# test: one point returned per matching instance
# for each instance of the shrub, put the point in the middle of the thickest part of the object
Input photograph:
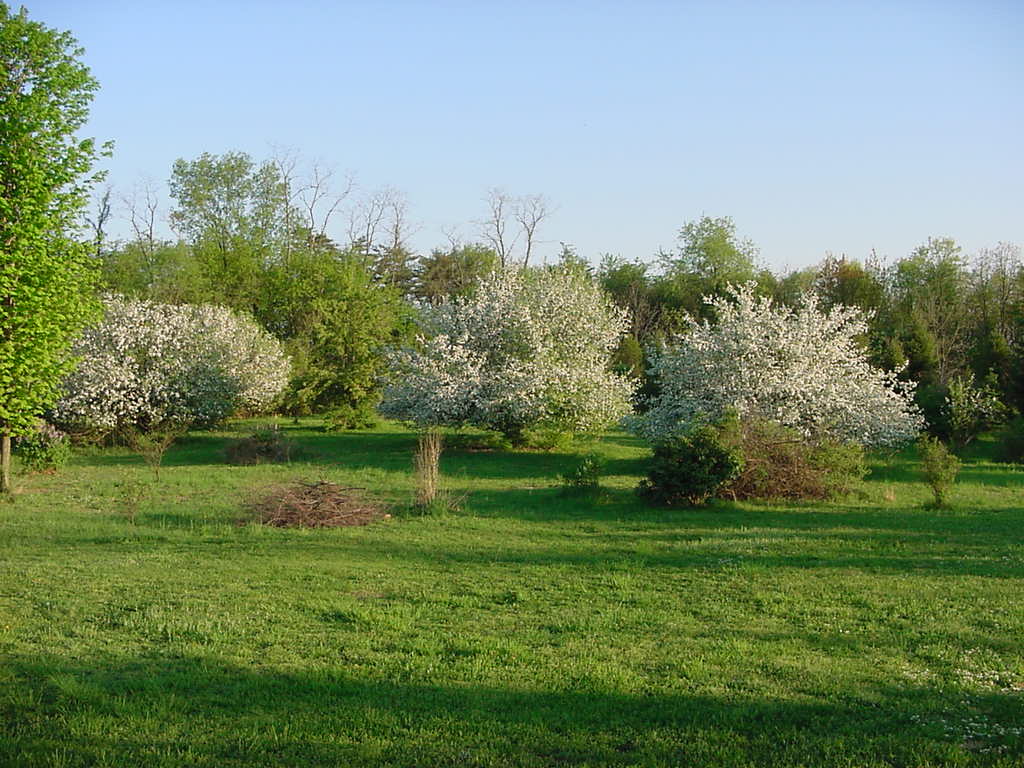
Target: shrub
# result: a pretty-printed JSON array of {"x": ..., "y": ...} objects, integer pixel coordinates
[
  {"x": 528, "y": 349},
  {"x": 779, "y": 463},
  {"x": 688, "y": 469},
  {"x": 266, "y": 445},
  {"x": 940, "y": 467},
  {"x": 800, "y": 367},
  {"x": 972, "y": 409},
  {"x": 585, "y": 476},
  {"x": 932, "y": 399},
  {"x": 153, "y": 444},
  {"x": 361, "y": 415},
  {"x": 45, "y": 449},
  {"x": 149, "y": 364},
  {"x": 547, "y": 439},
  {"x": 1011, "y": 441}
]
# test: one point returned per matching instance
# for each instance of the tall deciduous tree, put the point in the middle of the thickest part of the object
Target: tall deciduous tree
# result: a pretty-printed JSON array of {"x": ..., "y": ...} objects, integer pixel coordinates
[
  {"x": 710, "y": 257},
  {"x": 45, "y": 179},
  {"x": 232, "y": 212}
]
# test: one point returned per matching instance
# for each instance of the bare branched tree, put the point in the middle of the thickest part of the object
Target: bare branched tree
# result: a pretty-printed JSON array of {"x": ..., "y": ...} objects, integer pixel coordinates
[
  {"x": 142, "y": 205},
  {"x": 997, "y": 287},
  {"x": 529, "y": 211},
  {"x": 368, "y": 216},
  {"x": 323, "y": 195},
  {"x": 399, "y": 227},
  {"x": 312, "y": 196},
  {"x": 510, "y": 220},
  {"x": 453, "y": 236},
  {"x": 98, "y": 221},
  {"x": 494, "y": 228}
]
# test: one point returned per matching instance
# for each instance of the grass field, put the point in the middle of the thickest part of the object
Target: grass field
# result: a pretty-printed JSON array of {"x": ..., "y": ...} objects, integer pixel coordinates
[{"x": 530, "y": 628}]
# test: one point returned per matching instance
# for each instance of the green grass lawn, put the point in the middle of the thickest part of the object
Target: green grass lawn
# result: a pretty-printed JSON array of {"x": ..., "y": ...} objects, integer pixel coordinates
[{"x": 529, "y": 628}]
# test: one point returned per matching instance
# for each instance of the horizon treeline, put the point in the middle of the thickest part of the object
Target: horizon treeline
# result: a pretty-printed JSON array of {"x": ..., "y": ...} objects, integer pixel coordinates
[{"x": 253, "y": 236}]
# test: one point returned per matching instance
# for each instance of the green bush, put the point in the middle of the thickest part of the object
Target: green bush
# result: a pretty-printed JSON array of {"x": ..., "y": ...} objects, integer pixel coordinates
[
  {"x": 546, "y": 439},
  {"x": 361, "y": 415},
  {"x": 628, "y": 358},
  {"x": 940, "y": 467},
  {"x": 267, "y": 444},
  {"x": 841, "y": 466},
  {"x": 585, "y": 476},
  {"x": 1011, "y": 441},
  {"x": 479, "y": 443},
  {"x": 689, "y": 469},
  {"x": 46, "y": 449},
  {"x": 931, "y": 399},
  {"x": 971, "y": 409}
]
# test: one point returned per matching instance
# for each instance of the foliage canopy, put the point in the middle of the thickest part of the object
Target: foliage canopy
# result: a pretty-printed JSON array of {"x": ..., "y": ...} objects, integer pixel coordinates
[{"x": 45, "y": 276}]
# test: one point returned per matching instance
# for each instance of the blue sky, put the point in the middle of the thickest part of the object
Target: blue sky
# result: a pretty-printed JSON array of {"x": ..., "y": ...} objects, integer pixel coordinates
[{"x": 817, "y": 127}]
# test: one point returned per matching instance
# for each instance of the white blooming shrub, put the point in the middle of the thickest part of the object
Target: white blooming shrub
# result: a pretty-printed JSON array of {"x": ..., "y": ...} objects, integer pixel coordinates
[
  {"x": 801, "y": 368},
  {"x": 146, "y": 364},
  {"x": 527, "y": 349}
]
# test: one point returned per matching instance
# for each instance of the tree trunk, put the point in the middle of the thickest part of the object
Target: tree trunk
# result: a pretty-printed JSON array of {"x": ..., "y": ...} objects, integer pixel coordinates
[{"x": 5, "y": 464}]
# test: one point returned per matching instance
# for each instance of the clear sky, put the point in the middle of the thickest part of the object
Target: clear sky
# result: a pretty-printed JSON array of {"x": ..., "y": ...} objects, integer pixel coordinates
[{"x": 816, "y": 126}]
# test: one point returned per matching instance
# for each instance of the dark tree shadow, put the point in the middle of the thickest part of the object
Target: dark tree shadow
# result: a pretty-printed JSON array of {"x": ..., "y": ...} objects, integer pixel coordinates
[{"x": 206, "y": 712}]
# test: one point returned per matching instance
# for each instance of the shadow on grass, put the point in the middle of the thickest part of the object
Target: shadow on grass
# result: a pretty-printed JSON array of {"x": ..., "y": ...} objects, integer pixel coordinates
[
  {"x": 614, "y": 533},
  {"x": 205, "y": 712},
  {"x": 991, "y": 476},
  {"x": 355, "y": 450}
]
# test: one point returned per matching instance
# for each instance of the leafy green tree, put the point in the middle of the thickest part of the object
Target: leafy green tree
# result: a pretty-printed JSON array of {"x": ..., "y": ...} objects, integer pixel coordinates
[
  {"x": 788, "y": 289},
  {"x": 709, "y": 258},
  {"x": 634, "y": 289},
  {"x": 394, "y": 265},
  {"x": 920, "y": 347},
  {"x": 443, "y": 274},
  {"x": 991, "y": 357},
  {"x": 45, "y": 276},
  {"x": 164, "y": 272},
  {"x": 930, "y": 290},
  {"x": 232, "y": 213},
  {"x": 850, "y": 283},
  {"x": 335, "y": 321},
  {"x": 1015, "y": 385}
]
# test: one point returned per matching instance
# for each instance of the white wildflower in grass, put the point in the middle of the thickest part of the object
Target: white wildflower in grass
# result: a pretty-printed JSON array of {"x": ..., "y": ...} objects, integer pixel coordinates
[
  {"x": 528, "y": 348},
  {"x": 147, "y": 364},
  {"x": 801, "y": 367}
]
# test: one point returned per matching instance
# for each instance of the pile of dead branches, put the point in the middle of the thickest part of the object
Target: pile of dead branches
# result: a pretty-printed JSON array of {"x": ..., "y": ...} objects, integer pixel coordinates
[{"x": 315, "y": 505}]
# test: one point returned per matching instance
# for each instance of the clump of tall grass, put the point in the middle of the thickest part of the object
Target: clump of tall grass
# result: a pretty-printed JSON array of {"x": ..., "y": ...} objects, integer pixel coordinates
[{"x": 430, "y": 497}]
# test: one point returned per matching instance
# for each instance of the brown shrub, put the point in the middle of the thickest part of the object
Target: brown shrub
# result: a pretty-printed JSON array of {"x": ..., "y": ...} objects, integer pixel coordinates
[
  {"x": 266, "y": 445},
  {"x": 778, "y": 463},
  {"x": 315, "y": 505}
]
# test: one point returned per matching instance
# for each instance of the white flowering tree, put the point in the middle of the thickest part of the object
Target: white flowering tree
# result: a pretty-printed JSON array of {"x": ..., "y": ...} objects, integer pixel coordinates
[
  {"x": 800, "y": 367},
  {"x": 528, "y": 348},
  {"x": 148, "y": 364}
]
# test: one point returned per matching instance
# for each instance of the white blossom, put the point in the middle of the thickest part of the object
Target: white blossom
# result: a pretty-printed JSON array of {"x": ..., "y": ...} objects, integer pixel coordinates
[
  {"x": 148, "y": 363},
  {"x": 527, "y": 348},
  {"x": 799, "y": 367}
]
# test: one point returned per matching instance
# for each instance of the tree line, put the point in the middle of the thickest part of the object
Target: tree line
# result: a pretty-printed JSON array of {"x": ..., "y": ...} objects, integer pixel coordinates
[{"x": 253, "y": 236}]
